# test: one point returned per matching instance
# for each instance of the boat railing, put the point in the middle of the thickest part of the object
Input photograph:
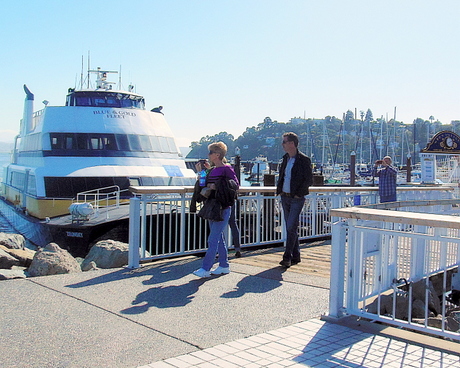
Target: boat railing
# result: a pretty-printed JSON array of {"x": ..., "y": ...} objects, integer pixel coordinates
[
  {"x": 396, "y": 263},
  {"x": 161, "y": 224},
  {"x": 38, "y": 113},
  {"x": 101, "y": 198}
]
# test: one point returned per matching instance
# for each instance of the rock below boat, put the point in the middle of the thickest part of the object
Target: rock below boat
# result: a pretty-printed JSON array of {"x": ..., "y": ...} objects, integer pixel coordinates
[
  {"x": 107, "y": 254},
  {"x": 16, "y": 261},
  {"x": 53, "y": 260}
]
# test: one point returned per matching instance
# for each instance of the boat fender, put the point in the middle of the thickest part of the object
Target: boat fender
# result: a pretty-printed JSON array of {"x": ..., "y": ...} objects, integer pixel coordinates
[{"x": 81, "y": 209}]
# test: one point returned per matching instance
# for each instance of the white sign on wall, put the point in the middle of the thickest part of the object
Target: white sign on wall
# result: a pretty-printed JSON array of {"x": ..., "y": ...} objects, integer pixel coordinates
[{"x": 428, "y": 168}]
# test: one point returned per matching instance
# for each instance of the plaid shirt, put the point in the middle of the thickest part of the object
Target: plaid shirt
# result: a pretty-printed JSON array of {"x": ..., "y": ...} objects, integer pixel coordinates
[{"x": 387, "y": 180}]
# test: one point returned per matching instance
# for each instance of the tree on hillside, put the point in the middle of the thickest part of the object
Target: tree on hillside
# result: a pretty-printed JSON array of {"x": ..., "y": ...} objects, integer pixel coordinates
[
  {"x": 349, "y": 116},
  {"x": 330, "y": 138},
  {"x": 200, "y": 149},
  {"x": 369, "y": 117}
]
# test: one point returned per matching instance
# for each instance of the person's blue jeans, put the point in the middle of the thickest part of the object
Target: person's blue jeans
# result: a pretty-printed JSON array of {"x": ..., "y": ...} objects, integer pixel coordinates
[
  {"x": 216, "y": 242},
  {"x": 388, "y": 198},
  {"x": 291, "y": 209},
  {"x": 236, "y": 235}
]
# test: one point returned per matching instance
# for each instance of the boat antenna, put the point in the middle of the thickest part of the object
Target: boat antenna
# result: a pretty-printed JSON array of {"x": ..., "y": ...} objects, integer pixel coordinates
[
  {"x": 81, "y": 74},
  {"x": 88, "y": 69},
  {"x": 119, "y": 79}
]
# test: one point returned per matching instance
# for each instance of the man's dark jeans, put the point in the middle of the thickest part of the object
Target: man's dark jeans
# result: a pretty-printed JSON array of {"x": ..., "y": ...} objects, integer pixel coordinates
[{"x": 292, "y": 208}]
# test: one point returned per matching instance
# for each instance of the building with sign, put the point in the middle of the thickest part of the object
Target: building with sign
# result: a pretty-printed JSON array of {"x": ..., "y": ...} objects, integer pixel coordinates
[{"x": 440, "y": 159}]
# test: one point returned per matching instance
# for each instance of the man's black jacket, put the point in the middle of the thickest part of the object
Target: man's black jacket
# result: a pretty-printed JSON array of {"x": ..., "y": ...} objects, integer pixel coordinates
[{"x": 301, "y": 175}]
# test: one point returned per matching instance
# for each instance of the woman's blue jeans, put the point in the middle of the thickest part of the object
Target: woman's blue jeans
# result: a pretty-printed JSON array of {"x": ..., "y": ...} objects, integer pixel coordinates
[
  {"x": 291, "y": 209},
  {"x": 216, "y": 242}
]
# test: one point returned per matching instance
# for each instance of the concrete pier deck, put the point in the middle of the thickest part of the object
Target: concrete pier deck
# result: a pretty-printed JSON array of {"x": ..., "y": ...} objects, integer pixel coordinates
[{"x": 161, "y": 315}]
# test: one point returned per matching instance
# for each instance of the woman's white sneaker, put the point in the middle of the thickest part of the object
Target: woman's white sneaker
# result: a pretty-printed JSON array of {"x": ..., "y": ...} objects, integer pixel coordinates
[
  {"x": 221, "y": 271},
  {"x": 202, "y": 273}
]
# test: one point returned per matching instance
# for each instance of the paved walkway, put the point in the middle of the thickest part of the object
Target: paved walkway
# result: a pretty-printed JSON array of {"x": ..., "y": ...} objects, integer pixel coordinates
[
  {"x": 314, "y": 343},
  {"x": 160, "y": 315}
]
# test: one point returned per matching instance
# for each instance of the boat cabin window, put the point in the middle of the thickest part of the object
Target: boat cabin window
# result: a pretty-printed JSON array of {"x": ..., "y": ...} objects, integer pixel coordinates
[
  {"x": 66, "y": 187},
  {"x": 64, "y": 141},
  {"x": 155, "y": 143},
  {"x": 134, "y": 142},
  {"x": 83, "y": 101},
  {"x": 105, "y": 99},
  {"x": 164, "y": 146},
  {"x": 75, "y": 144},
  {"x": 145, "y": 143},
  {"x": 122, "y": 142},
  {"x": 18, "y": 180}
]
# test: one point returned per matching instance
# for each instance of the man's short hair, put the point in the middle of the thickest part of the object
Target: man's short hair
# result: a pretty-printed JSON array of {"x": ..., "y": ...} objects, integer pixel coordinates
[{"x": 292, "y": 137}]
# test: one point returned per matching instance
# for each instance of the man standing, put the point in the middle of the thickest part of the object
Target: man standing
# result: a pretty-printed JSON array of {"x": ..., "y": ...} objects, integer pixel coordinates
[
  {"x": 295, "y": 177},
  {"x": 387, "y": 179}
]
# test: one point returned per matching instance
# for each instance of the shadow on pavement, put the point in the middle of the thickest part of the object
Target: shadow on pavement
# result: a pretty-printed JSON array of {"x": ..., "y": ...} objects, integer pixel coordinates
[
  {"x": 252, "y": 284},
  {"x": 165, "y": 297},
  {"x": 159, "y": 272}
]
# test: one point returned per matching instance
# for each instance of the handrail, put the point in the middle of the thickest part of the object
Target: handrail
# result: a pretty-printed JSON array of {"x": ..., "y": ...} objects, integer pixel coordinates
[
  {"x": 103, "y": 197},
  {"x": 379, "y": 212},
  {"x": 271, "y": 189}
]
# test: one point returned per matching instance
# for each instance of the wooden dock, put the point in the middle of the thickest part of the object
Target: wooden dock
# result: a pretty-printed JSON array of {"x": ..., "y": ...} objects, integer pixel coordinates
[{"x": 316, "y": 258}]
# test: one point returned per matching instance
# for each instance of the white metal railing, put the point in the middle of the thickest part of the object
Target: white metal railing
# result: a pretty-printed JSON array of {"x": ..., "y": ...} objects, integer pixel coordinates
[
  {"x": 387, "y": 260},
  {"x": 162, "y": 226},
  {"x": 100, "y": 198}
]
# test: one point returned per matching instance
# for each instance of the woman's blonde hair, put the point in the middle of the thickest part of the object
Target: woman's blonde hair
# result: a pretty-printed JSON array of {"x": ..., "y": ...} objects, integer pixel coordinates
[{"x": 218, "y": 147}]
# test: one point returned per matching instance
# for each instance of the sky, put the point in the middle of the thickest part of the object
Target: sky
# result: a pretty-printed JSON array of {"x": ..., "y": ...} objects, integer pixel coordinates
[{"x": 225, "y": 65}]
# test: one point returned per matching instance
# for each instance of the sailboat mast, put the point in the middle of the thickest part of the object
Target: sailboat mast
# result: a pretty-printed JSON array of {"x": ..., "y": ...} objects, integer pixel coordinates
[
  {"x": 324, "y": 143},
  {"x": 393, "y": 142},
  {"x": 343, "y": 147}
]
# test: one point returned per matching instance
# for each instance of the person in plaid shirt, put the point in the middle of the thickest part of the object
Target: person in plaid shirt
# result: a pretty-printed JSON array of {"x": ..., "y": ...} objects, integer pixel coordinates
[{"x": 387, "y": 179}]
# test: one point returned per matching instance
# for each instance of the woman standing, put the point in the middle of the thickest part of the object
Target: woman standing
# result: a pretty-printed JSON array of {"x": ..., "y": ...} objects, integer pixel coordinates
[{"x": 216, "y": 242}]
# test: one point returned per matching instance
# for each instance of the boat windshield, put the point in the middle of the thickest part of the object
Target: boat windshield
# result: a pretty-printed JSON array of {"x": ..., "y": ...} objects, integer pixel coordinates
[{"x": 105, "y": 99}]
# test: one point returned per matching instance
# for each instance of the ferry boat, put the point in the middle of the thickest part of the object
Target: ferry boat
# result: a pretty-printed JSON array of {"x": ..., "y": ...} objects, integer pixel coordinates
[{"x": 102, "y": 141}]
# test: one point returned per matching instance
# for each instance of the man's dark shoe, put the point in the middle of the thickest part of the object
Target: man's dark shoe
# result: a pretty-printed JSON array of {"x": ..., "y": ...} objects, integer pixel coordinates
[
  {"x": 286, "y": 264},
  {"x": 237, "y": 254},
  {"x": 294, "y": 262}
]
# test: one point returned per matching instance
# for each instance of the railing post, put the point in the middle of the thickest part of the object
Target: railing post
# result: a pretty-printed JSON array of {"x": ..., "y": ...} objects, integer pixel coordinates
[
  {"x": 259, "y": 201},
  {"x": 134, "y": 232},
  {"x": 182, "y": 223},
  {"x": 314, "y": 213},
  {"x": 337, "y": 280},
  {"x": 353, "y": 262},
  {"x": 336, "y": 202}
]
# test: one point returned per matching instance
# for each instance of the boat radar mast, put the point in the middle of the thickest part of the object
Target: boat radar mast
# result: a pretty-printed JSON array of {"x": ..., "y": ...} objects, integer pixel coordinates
[{"x": 101, "y": 80}]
